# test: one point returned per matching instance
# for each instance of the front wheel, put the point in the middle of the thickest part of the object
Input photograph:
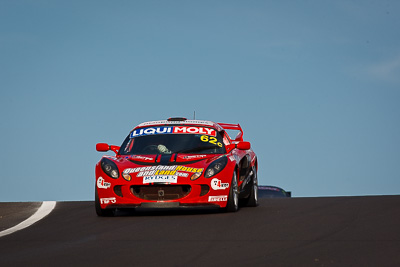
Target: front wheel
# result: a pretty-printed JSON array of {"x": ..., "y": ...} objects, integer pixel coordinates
[
  {"x": 233, "y": 199},
  {"x": 99, "y": 211}
]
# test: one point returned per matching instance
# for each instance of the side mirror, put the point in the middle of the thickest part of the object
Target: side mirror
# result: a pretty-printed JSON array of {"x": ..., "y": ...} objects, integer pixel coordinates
[
  {"x": 243, "y": 145},
  {"x": 240, "y": 145},
  {"x": 104, "y": 147}
]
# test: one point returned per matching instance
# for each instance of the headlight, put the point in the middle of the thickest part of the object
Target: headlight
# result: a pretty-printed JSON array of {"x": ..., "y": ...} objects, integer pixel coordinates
[
  {"x": 215, "y": 167},
  {"x": 110, "y": 168}
]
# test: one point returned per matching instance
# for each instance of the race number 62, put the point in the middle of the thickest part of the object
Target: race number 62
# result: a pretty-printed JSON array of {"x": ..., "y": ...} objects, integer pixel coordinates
[{"x": 210, "y": 139}]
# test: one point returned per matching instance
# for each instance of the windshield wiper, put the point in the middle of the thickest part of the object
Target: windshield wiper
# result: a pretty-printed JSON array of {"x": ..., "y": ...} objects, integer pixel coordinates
[{"x": 194, "y": 149}]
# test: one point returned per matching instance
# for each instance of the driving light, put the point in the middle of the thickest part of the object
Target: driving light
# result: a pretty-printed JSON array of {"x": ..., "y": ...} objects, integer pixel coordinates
[
  {"x": 215, "y": 167},
  {"x": 126, "y": 176},
  {"x": 195, "y": 176},
  {"x": 110, "y": 168}
]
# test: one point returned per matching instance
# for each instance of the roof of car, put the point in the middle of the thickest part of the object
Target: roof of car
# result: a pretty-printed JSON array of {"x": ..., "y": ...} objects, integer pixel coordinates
[{"x": 179, "y": 122}]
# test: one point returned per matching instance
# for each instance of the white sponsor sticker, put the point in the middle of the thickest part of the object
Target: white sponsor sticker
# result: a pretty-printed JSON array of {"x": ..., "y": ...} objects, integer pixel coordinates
[
  {"x": 182, "y": 174},
  {"x": 102, "y": 184},
  {"x": 151, "y": 131},
  {"x": 216, "y": 184},
  {"x": 175, "y": 122},
  {"x": 108, "y": 200},
  {"x": 141, "y": 157},
  {"x": 217, "y": 198},
  {"x": 195, "y": 157},
  {"x": 194, "y": 130},
  {"x": 160, "y": 179}
]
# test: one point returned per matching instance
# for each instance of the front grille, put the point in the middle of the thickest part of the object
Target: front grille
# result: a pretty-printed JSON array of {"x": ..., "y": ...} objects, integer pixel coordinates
[{"x": 160, "y": 192}]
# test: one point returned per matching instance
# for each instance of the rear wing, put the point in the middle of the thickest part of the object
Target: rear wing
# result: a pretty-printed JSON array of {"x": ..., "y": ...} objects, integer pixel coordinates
[{"x": 230, "y": 126}]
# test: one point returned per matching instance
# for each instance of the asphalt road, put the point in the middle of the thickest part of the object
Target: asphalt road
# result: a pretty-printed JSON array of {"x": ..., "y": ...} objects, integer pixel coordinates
[
  {"x": 12, "y": 213},
  {"x": 337, "y": 231}
]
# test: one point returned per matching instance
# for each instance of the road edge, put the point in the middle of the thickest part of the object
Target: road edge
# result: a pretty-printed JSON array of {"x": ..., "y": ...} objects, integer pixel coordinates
[{"x": 45, "y": 209}]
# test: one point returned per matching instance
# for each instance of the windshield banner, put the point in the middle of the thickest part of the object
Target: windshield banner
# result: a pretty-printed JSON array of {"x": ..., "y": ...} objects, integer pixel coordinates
[{"x": 173, "y": 130}]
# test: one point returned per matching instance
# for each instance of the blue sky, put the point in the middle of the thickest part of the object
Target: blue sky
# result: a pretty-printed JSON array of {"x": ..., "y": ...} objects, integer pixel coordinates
[{"x": 314, "y": 84}]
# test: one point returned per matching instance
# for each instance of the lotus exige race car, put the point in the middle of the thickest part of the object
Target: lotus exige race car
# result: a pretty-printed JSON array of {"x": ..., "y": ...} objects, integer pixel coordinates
[{"x": 177, "y": 163}]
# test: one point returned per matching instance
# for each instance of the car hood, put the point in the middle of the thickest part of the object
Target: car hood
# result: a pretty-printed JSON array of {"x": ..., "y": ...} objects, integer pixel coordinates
[{"x": 180, "y": 165}]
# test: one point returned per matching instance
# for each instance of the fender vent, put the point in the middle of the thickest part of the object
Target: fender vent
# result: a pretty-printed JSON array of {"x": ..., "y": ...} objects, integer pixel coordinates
[
  {"x": 118, "y": 191},
  {"x": 204, "y": 189}
]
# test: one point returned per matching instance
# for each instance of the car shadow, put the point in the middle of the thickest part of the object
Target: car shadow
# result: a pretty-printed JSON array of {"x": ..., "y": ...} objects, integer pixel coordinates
[{"x": 166, "y": 212}]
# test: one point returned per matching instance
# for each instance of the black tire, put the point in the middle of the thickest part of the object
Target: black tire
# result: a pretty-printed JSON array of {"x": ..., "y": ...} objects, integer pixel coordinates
[
  {"x": 252, "y": 200},
  {"x": 99, "y": 211},
  {"x": 233, "y": 199}
]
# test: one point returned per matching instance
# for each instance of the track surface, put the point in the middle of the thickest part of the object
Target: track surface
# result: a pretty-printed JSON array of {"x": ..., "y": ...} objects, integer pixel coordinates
[
  {"x": 338, "y": 231},
  {"x": 12, "y": 213}
]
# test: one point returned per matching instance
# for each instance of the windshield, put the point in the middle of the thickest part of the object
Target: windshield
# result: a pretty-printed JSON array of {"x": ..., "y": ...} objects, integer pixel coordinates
[{"x": 173, "y": 139}]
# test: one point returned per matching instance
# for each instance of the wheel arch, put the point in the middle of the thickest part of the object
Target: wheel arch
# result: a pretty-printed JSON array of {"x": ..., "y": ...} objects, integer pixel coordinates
[{"x": 244, "y": 167}]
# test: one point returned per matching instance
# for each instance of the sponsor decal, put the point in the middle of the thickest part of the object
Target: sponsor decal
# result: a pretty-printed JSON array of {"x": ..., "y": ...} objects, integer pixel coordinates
[
  {"x": 102, "y": 184},
  {"x": 216, "y": 184},
  {"x": 160, "y": 179},
  {"x": 108, "y": 200},
  {"x": 174, "y": 130},
  {"x": 151, "y": 131},
  {"x": 194, "y": 157},
  {"x": 194, "y": 130},
  {"x": 176, "y": 122},
  {"x": 141, "y": 158},
  {"x": 161, "y": 170},
  {"x": 188, "y": 169},
  {"x": 217, "y": 198},
  {"x": 182, "y": 174}
]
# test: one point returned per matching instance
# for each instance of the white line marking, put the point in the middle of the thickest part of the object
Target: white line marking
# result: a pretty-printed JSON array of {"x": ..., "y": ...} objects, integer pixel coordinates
[{"x": 43, "y": 211}]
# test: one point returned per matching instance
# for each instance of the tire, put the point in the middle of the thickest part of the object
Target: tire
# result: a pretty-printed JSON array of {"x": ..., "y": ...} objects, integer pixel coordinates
[
  {"x": 233, "y": 199},
  {"x": 102, "y": 212},
  {"x": 252, "y": 200}
]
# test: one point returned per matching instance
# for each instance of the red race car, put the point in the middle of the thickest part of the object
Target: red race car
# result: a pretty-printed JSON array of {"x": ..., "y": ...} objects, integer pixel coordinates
[{"x": 177, "y": 163}]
